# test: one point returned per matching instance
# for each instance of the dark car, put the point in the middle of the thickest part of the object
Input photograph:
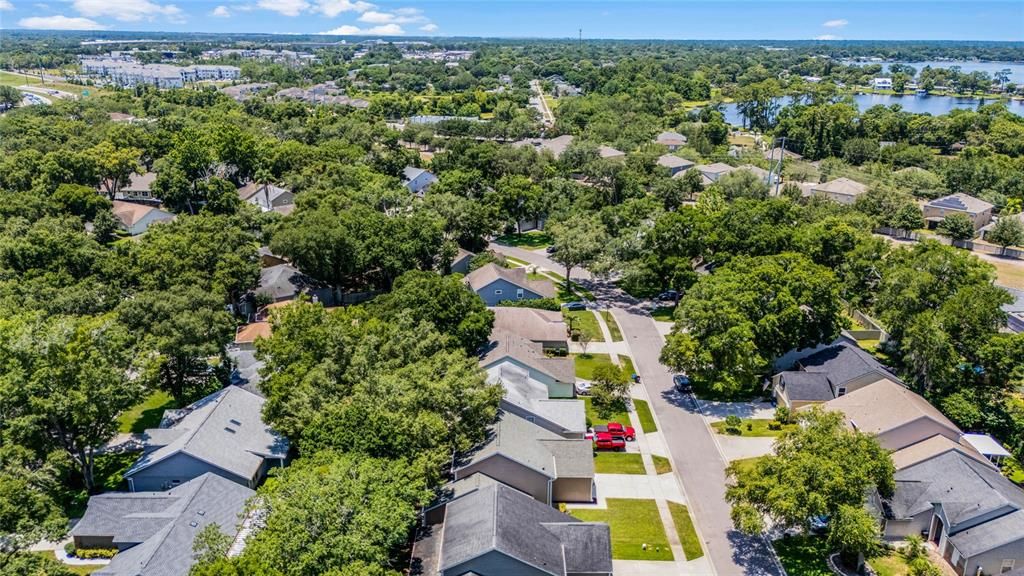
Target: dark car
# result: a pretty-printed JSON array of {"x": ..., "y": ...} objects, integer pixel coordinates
[
  {"x": 551, "y": 249},
  {"x": 669, "y": 295},
  {"x": 682, "y": 383},
  {"x": 573, "y": 306}
]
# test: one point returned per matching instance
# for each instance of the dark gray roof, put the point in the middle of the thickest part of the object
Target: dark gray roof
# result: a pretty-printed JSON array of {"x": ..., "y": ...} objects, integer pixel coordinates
[
  {"x": 540, "y": 449},
  {"x": 806, "y": 386},
  {"x": 225, "y": 430},
  {"x": 161, "y": 526},
  {"x": 285, "y": 281},
  {"x": 967, "y": 490},
  {"x": 842, "y": 362},
  {"x": 501, "y": 518}
]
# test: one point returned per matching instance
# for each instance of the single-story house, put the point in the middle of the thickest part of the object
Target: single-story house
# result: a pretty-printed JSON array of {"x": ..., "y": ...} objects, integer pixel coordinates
[
  {"x": 223, "y": 433},
  {"x": 154, "y": 531},
  {"x": 266, "y": 196},
  {"x": 268, "y": 258},
  {"x": 965, "y": 507},
  {"x": 979, "y": 211},
  {"x": 674, "y": 163},
  {"x": 765, "y": 176},
  {"x": 827, "y": 373},
  {"x": 137, "y": 218},
  {"x": 139, "y": 188},
  {"x": 556, "y": 373},
  {"x": 545, "y": 327},
  {"x": 671, "y": 140},
  {"x": 484, "y": 527},
  {"x": 534, "y": 460},
  {"x": 893, "y": 414},
  {"x": 609, "y": 153},
  {"x": 1014, "y": 311},
  {"x": 417, "y": 180},
  {"x": 495, "y": 284},
  {"x": 714, "y": 171},
  {"x": 461, "y": 262},
  {"x": 555, "y": 145},
  {"x": 285, "y": 282},
  {"x": 842, "y": 190}
]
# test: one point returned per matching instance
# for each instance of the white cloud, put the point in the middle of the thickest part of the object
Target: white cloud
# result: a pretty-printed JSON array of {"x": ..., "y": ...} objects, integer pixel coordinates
[
  {"x": 60, "y": 22},
  {"x": 377, "y": 17},
  {"x": 221, "y": 12},
  {"x": 285, "y": 7},
  {"x": 382, "y": 30},
  {"x": 332, "y": 8},
  {"x": 6, "y": 5},
  {"x": 837, "y": 23},
  {"x": 827, "y": 37},
  {"x": 429, "y": 27},
  {"x": 128, "y": 10},
  {"x": 400, "y": 16}
]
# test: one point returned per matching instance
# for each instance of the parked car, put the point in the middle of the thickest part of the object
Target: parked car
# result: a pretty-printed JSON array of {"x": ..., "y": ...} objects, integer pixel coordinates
[
  {"x": 605, "y": 441},
  {"x": 627, "y": 433},
  {"x": 681, "y": 382},
  {"x": 819, "y": 524},
  {"x": 669, "y": 295},
  {"x": 573, "y": 306},
  {"x": 551, "y": 249},
  {"x": 583, "y": 388}
]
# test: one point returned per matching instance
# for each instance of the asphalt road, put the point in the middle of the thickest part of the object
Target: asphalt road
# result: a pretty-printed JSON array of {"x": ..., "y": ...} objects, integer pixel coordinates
[
  {"x": 539, "y": 258},
  {"x": 697, "y": 460}
]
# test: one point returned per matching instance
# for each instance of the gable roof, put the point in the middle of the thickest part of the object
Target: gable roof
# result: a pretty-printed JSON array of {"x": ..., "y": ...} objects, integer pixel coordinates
[
  {"x": 673, "y": 161},
  {"x": 555, "y": 145},
  {"x": 537, "y": 448},
  {"x": 930, "y": 448},
  {"x": 530, "y": 323},
  {"x": 250, "y": 332},
  {"x": 715, "y": 168},
  {"x": 251, "y": 189},
  {"x": 508, "y": 345},
  {"x": 806, "y": 386},
  {"x": 225, "y": 430},
  {"x": 499, "y": 518},
  {"x": 530, "y": 395},
  {"x": 411, "y": 173},
  {"x": 670, "y": 138},
  {"x": 609, "y": 152},
  {"x": 842, "y": 362},
  {"x": 962, "y": 202},
  {"x": 885, "y": 406},
  {"x": 140, "y": 182},
  {"x": 129, "y": 213},
  {"x": 285, "y": 281},
  {"x": 489, "y": 273},
  {"x": 162, "y": 525},
  {"x": 841, "y": 186}
]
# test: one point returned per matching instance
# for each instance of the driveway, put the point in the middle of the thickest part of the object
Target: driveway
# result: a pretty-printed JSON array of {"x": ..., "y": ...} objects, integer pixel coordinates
[
  {"x": 539, "y": 258},
  {"x": 716, "y": 411},
  {"x": 699, "y": 463}
]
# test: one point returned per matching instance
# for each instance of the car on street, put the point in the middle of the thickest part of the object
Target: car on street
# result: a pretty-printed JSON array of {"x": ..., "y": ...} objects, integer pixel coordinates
[
  {"x": 551, "y": 249},
  {"x": 573, "y": 306},
  {"x": 681, "y": 382},
  {"x": 605, "y": 441},
  {"x": 583, "y": 388},
  {"x": 627, "y": 433},
  {"x": 669, "y": 295}
]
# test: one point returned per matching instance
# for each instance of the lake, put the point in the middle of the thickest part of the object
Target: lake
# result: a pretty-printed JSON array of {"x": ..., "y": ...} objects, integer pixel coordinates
[
  {"x": 934, "y": 105},
  {"x": 1016, "y": 68}
]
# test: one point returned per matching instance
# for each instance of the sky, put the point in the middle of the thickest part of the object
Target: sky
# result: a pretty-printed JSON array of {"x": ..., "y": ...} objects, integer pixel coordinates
[{"x": 626, "y": 19}]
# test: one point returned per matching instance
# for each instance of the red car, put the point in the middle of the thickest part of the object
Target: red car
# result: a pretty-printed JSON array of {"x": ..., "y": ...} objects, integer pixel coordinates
[
  {"x": 616, "y": 429},
  {"x": 605, "y": 441}
]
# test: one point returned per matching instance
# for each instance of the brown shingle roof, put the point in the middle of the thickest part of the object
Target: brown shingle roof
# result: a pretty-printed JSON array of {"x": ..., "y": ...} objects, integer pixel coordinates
[
  {"x": 530, "y": 323},
  {"x": 129, "y": 213},
  {"x": 886, "y": 405},
  {"x": 509, "y": 345}
]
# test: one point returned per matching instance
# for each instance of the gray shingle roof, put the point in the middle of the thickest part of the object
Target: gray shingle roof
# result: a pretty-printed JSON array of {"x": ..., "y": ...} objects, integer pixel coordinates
[
  {"x": 673, "y": 161},
  {"x": 285, "y": 281},
  {"x": 806, "y": 386},
  {"x": 531, "y": 323},
  {"x": 225, "y": 430},
  {"x": 670, "y": 138},
  {"x": 509, "y": 345},
  {"x": 162, "y": 525},
  {"x": 842, "y": 362},
  {"x": 522, "y": 441},
  {"x": 485, "y": 275},
  {"x": 501, "y": 518},
  {"x": 532, "y": 396},
  {"x": 842, "y": 186},
  {"x": 961, "y": 202}
]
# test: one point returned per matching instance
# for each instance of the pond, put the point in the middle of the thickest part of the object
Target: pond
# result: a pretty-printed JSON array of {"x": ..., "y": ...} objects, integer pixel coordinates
[{"x": 1016, "y": 68}]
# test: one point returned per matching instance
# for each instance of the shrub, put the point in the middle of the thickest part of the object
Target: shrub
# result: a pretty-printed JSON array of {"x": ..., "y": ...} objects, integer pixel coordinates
[
  {"x": 95, "y": 553},
  {"x": 732, "y": 425},
  {"x": 539, "y": 303},
  {"x": 750, "y": 426},
  {"x": 783, "y": 415},
  {"x": 69, "y": 548},
  {"x": 923, "y": 567},
  {"x": 775, "y": 425}
]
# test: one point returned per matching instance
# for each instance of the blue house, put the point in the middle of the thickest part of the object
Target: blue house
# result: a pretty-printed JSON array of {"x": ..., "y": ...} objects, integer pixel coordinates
[
  {"x": 417, "y": 180},
  {"x": 495, "y": 284}
]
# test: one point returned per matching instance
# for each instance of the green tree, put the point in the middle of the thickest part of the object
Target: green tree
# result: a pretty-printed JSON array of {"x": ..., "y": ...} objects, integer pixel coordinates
[
  {"x": 211, "y": 544},
  {"x": 758, "y": 103},
  {"x": 742, "y": 184},
  {"x": 957, "y": 227},
  {"x": 578, "y": 241},
  {"x": 115, "y": 166},
  {"x": 81, "y": 201},
  {"x": 853, "y": 532},
  {"x": 28, "y": 510},
  {"x": 610, "y": 388},
  {"x": 9, "y": 97},
  {"x": 1007, "y": 232},
  {"x": 820, "y": 468},
  {"x": 908, "y": 217}
]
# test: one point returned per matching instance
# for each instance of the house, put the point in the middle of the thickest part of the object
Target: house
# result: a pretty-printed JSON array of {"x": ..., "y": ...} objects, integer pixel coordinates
[
  {"x": 268, "y": 258},
  {"x": 138, "y": 189},
  {"x": 496, "y": 284},
  {"x": 828, "y": 373},
  {"x": 1014, "y": 310},
  {"x": 533, "y": 460},
  {"x": 246, "y": 335},
  {"x": 675, "y": 164},
  {"x": 714, "y": 171},
  {"x": 417, "y": 180},
  {"x": 609, "y": 153},
  {"x": 762, "y": 174},
  {"x": 841, "y": 190},
  {"x": 881, "y": 83},
  {"x": 930, "y": 448},
  {"x": 285, "y": 282},
  {"x": 223, "y": 433},
  {"x": 545, "y": 327},
  {"x": 154, "y": 531},
  {"x": 266, "y": 196},
  {"x": 137, "y": 218},
  {"x": 556, "y": 145},
  {"x": 987, "y": 446},
  {"x": 557, "y": 374},
  {"x": 893, "y": 414},
  {"x": 774, "y": 154},
  {"x": 979, "y": 211},
  {"x": 671, "y": 140},
  {"x": 485, "y": 527},
  {"x": 965, "y": 507},
  {"x": 461, "y": 262}
]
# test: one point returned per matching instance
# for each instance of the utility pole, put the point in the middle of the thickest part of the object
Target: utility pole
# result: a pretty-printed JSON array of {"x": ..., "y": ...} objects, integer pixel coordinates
[{"x": 775, "y": 168}]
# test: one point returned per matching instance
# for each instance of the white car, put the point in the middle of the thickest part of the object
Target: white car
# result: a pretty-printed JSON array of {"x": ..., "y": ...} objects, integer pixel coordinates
[{"x": 583, "y": 388}]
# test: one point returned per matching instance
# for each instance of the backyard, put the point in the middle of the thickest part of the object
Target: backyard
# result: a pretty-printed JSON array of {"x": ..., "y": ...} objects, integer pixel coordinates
[
  {"x": 146, "y": 414},
  {"x": 533, "y": 240},
  {"x": 633, "y": 523}
]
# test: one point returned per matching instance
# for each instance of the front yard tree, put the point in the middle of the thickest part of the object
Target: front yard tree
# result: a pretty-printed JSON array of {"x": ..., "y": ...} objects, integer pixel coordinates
[
  {"x": 957, "y": 227},
  {"x": 578, "y": 241},
  {"x": 853, "y": 531},
  {"x": 1007, "y": 232},
  {"x": 115, "y": 166},
  {"x": 732, "y": 324},
  {"x": 820, "y": 468},
  {"x": 610, "y": 389}
]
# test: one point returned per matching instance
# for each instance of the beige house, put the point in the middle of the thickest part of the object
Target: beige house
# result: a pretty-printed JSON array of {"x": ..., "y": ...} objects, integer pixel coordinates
[
  {"x": 137, "y": 218},
  {"x": 979, "y": 211},
  {"x": 932, "y": 448},
  {"x": 545, "y": 327},
  {"x": 842, "y": 190}
]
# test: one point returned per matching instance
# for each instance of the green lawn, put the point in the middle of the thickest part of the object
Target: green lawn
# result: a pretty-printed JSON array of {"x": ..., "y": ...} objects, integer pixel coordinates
[
  {"x": 803, "y": 555},
  {"x": 663, "y": 313},
  {"x": 585, "y": 322},
  {"x": 687, "y": 533},
  {"x": 530, "y": 240},
  {"x": 759, "y": 427},
  {"x": 618, "y": 463},
  {"x": 633, "y": 523},
  {"x": 613, "y": 326},
  {"x": 146, "y": 414},
  {"x": 108, "y": 472},
  {"x": 745, "y": 464},
  {"x": 585, "y": 364},
  {"x": 620, "y": 415},
  {"x": 893, "y": 564},
  {"x": 643, "y": 411},
  {"x": 661, "y": 464},
  {"x": 516, "y": 261},
  {"x": 14, "y": 79},
  {"x": 1013, "y": 470}
]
